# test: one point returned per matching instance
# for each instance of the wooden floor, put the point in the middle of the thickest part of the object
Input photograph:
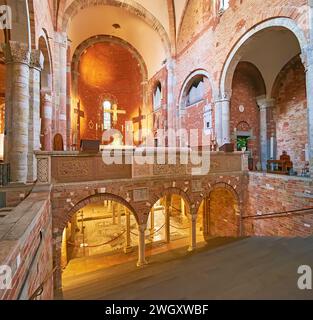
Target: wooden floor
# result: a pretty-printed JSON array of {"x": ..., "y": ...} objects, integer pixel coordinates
[{"x": 251, "y": 268}]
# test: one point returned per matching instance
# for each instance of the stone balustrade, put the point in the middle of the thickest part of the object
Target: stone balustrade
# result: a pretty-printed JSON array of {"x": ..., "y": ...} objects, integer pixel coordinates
[{"x": 69, "y": 167}]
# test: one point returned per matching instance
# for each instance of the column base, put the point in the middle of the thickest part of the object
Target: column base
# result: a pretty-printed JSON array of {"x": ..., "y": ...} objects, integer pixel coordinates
[
  {"x": 191, "y": 249},
  {"x": 128, "y": 250},
  {"x": 141, "y": 264}
]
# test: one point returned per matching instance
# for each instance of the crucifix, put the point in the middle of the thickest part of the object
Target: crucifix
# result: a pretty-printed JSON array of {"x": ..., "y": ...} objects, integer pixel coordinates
[
  {"x": 80, "y": 114},
  {"x": 139, "y": 121},
  {"x": 115, "y": 112}
]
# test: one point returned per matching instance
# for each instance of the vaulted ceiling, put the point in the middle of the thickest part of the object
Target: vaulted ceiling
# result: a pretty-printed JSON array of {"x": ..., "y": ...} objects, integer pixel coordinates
[{"x": 154, "y": 40}]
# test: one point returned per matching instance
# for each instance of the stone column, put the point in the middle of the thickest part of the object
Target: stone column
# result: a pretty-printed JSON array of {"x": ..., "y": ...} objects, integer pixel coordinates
[
  {"x": 218, "y": 122},
  {"x": 17, "y": 56},
  {"x": 307, "y": 59},
  {"x": 142, "y": 246},
  {"x": 128, "y": 247},
  {"x": 68, "y": 100},
  {"x": 119, "y": 215},
  {"x": 114, "y": 212},
  {"x": 170, "y": 94},
  {"x": 46, "y": 121},
  {"x": 152, "y": 224},
  {"x": 183, "y": 207},
  {"x": 264, "y": 104},
  {"x": 222, "y": 119},
  {"x": 193, "y": 233},
  {"x": 36, "y": 65},
  {"x": 168, "y": 199},
  {"x": 226, "y": 118},
  {"x": 206, "y": 218},
  {"x": 60, "y": 85}
]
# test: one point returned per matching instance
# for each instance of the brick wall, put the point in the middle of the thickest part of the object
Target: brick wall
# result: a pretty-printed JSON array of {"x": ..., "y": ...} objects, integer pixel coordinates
[
  {"x": 244, "y": 93},
  {"x": 269, "y": 194},
  {"x": 291, "y": 112},
  {"x": 23, "y": 249},
  {"x": 223, "y": 219}
]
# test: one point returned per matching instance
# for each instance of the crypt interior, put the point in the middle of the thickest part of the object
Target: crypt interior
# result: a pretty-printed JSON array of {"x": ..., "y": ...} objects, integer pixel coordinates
[{"x": 228, "y": 80}]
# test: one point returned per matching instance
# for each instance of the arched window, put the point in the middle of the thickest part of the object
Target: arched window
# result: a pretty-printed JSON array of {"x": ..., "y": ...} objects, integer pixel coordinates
[
  {"x": 107, "y": 121},
  {"x": 196, "y": 91},
  {"x": 157, "y": 97}
]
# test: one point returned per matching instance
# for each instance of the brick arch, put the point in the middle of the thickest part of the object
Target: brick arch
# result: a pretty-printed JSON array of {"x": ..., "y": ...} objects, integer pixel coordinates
[
  {"x": 94, "y": 199},
  {"x": 171, "y": 191},
  {"x": 228, "y": 187},
  {"x": 231, "y": 224},
  {"x": 129, "y": 5},
  {"x": 235, "y": 54},
  {"x": 191, "y": 76}
]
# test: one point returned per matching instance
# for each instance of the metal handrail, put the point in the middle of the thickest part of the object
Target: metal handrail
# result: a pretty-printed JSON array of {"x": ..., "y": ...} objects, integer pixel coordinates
[
  {"x": 38, "y": 292},
  {"x": 282, "y": 213}
]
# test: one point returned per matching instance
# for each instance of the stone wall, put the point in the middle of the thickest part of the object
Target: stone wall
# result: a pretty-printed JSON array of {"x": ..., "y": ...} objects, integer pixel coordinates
[{"x": 26, "y": 247}]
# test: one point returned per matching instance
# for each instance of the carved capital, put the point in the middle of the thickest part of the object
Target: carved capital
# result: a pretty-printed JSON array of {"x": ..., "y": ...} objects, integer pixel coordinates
[
  {"x": 265, "y": 103},
  {"x": 36, "y": 60},
  {"x": 224, "y": 96},
  {"x": 142, "y": 228},
  {"x": 16, "y": 52}
]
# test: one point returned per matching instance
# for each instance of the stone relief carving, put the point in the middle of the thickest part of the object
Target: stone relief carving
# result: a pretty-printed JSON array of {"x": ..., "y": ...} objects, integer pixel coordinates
[{"x": 43, "y": 170}]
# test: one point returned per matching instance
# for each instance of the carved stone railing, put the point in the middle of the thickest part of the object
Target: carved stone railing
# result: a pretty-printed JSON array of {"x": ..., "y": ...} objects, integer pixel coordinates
[{"x": 66, "y": 167}]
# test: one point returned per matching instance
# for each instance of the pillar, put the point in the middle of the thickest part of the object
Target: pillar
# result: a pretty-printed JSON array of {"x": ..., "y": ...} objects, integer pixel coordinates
[
  {"x": 171, "y": 115},
  {"x": 36, "y": 65},
  {"x": 152, "y": 213},
  {"x": 60, "y": 85},
  {"x": 205, "y": 212},
  {"x": 218, "y": 122},
  {"x": 119, "y": 215},
  {"x": 142, "y": 246},
  {"x": 264, "y": 105},
  {"x": 222, "y": 119},
  {"x": 114, "y": 212},
  {"x": 128, "y": 247},
  {"x": 168, "y": 200},
  {"x": 307, "y": 59},
  {"x": 226, "y": 119},
  {"x": 46, "y": 122},
  {"x": 17, "y": 57},
  {"x": 182, "y": 207},
  {"x": 193, "y": 233},
  {"x": 68, "y": 100}
]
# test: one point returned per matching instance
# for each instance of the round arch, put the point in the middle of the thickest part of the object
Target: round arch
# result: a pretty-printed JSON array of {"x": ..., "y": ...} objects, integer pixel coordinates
[
  {"x": 195, "y": 73},
  {"x": 234, "y": 56},
  {"x": 171, "y": 191},
  {"x": 94, "y": 199},
  {"x": 44, "y": 46},
  {"x": 110, "y": 39},
  {"x": 129, "y": 5}
]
